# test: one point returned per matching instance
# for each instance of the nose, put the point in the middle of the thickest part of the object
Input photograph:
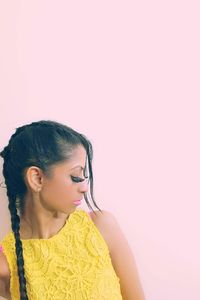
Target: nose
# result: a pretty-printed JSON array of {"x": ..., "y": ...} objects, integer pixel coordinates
[{"x": 83, "y": 188}]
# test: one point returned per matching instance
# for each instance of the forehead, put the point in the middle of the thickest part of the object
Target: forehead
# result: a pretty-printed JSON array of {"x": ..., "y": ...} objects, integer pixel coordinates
[
  {"x": 77, "y": 161},
  {"x": 78, "y": 155}
]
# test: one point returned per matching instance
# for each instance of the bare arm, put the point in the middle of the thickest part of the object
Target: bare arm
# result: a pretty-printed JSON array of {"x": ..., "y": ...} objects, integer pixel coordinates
[
  {"x": 122, "y": 257},
  {"x": 4, "y": 276},
  {"x": 2, "y": 288}
]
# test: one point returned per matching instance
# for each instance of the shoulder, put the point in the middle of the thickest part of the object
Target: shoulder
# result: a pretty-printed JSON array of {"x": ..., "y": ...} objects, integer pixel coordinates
[
  {"x": 121, "y": 254},
  {"x": 103, "y": 218},
  {"x": 107, "y": 224}
]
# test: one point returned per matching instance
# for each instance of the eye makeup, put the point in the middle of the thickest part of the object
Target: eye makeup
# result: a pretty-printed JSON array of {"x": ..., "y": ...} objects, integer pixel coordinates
[{"x": 78, "y": 179}]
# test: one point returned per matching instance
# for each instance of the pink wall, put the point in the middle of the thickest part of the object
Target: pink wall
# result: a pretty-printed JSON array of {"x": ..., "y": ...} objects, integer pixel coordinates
[{"x": 125, "y": 73}]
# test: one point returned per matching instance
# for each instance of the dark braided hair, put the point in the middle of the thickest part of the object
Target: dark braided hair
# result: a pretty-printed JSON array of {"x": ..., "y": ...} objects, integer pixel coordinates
[{"x": 43, "y": 144}]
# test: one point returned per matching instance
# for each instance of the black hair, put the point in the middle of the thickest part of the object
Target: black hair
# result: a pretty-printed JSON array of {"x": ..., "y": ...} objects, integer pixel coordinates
[{"x": 43, "y": 144}]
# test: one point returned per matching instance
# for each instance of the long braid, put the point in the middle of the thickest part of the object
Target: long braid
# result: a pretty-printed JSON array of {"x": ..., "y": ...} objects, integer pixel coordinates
[{"x": 15, "y": 221}]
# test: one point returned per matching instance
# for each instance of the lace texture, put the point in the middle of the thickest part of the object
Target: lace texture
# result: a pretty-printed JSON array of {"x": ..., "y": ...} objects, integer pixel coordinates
[{"x": 74, "y": 264}]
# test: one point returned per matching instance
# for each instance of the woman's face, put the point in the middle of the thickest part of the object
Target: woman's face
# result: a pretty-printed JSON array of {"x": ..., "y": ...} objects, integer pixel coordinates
[{"x": 59, "y": 192}]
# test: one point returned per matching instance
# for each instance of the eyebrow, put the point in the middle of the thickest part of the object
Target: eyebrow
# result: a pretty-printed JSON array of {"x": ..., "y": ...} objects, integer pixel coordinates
[{"x": 78, "y": 166}]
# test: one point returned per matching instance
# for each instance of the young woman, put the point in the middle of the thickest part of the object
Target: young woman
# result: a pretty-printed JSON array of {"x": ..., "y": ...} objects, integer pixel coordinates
[{"x": 56, "y": 250}]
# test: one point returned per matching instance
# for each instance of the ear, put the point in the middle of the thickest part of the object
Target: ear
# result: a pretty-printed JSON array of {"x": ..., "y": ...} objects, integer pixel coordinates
[{"x": 34, "y": 178}]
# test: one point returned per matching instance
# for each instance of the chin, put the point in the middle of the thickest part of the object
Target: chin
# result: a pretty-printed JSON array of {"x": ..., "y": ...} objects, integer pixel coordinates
[{"x": 68, "y": 211}]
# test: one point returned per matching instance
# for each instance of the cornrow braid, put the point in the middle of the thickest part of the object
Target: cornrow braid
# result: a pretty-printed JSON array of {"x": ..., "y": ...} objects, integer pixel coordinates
[{"x": 15, "y": 221}]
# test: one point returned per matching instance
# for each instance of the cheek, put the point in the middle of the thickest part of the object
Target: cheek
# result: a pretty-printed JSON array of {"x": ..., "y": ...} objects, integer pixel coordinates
[{"x": 61, "y": 194}]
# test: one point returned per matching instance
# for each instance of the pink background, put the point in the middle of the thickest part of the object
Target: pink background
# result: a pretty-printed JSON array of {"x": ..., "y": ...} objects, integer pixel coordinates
[{"x": 126, "y": 74}]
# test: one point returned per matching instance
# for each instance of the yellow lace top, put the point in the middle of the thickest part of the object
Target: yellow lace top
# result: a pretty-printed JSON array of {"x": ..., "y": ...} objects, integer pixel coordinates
[{"x": 74, "y": 264}]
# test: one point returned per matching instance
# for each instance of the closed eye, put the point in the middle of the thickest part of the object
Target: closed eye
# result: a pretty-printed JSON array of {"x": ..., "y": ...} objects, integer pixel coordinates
[{"x": 78, "y": 179}]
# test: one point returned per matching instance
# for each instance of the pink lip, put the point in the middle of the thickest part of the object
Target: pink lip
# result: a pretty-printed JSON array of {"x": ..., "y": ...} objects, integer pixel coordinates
[{"x": 77, "y": 202}]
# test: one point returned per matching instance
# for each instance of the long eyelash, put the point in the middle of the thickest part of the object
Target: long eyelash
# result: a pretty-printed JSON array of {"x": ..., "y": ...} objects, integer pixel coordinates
[{"x": 78, "y": 179}]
